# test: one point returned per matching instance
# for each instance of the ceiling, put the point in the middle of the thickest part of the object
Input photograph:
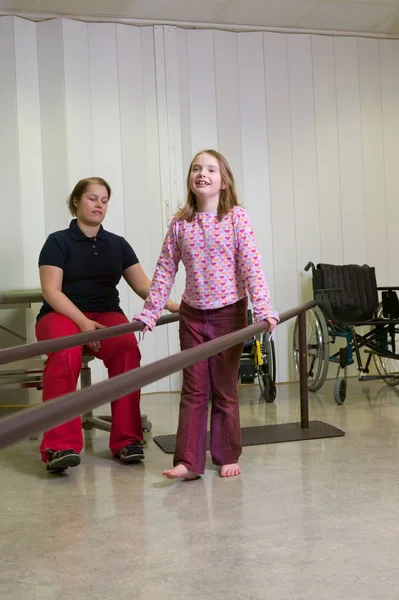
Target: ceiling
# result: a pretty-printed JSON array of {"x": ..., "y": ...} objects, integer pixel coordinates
[{"x": 367, "y": 16}]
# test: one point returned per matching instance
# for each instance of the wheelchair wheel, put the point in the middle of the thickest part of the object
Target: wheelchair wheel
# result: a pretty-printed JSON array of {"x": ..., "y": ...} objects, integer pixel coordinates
[
  {"x": 318, "y": 345},
  {"x": 267, "y": 370},
  {"x": 388, "y": 368},
  {"x": 340, "y": 390}
]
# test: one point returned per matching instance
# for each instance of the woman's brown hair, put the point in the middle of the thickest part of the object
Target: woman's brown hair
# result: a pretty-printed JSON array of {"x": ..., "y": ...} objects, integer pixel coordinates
[
  {"x": 81, "y": 187},
  {"x": 227, "y": 198}
]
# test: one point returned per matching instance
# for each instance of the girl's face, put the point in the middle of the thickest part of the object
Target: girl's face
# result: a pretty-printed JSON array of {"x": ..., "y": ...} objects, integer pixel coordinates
[
  {"x": 205, "y": 178},
  {"x": 92, "y": 206}
]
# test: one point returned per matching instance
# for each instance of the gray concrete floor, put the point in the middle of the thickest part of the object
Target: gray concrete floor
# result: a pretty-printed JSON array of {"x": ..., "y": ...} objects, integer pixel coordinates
[{"x": 305, "y": 520}]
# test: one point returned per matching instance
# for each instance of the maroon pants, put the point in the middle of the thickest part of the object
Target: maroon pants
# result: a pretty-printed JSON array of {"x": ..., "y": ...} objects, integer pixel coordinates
[
  {"x": 217, "y": 377},
  {"x": 61, "y": 373}
]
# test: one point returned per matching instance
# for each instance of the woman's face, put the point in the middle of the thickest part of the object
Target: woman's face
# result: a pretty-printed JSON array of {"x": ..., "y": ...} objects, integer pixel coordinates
[{"x": 92, "y": 206}]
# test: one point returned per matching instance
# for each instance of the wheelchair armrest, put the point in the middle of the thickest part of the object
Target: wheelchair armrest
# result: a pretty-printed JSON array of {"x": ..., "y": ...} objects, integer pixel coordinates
[{"x": 323, "y": 290}]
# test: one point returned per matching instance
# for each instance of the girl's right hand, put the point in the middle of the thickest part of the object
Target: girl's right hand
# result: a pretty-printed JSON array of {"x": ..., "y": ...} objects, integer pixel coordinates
[
  {"x": 146, "y": 328},
  {"x": 89, "y": 325}
]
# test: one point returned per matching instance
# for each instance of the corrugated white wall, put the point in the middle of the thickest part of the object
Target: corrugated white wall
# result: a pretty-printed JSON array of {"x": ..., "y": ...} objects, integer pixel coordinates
[
  {"x": 309, "y": 124},
  {"x": 79, "y": 99}
]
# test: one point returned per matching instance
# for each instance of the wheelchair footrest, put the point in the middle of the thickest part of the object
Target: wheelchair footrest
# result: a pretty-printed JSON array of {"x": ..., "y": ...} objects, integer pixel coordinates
[
  {"x": 343, "y": 357},
  {"x": 378, "y": 377},
  {"x": 247, "y": 371}
]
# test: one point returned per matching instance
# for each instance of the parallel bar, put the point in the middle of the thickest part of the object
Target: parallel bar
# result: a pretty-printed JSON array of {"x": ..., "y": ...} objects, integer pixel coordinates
[
  {"x": 9, "y": 355},
  {"x": 17, "y": 427},
  {"x": 303, "y": 371},
  {"x": 21, "y": 296},
  {"x": 294, "y": 312}
]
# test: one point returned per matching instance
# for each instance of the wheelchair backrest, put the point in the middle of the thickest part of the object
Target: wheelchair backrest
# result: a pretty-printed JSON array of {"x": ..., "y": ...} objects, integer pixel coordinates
[{"x": 351, "y": 290}]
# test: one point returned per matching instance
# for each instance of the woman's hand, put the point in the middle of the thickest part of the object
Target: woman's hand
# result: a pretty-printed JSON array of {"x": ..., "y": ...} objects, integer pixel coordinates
[
  {"x": 272, "y": 324},
  {"x": 89, "y": 325},
  {"x": 172, "y": 306}
]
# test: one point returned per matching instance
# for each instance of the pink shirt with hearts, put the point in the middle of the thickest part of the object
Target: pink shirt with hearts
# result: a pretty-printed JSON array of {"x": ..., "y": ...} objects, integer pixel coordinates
[{"x": 222, "y": 262}]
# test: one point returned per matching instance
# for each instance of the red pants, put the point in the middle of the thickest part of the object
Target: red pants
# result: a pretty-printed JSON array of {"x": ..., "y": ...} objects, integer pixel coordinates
[
  {"x": 61, "y": 373},
  {"x": 217, "y": 377}
]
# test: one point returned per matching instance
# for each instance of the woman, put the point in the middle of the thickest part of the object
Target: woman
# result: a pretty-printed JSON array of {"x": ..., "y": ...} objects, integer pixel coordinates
[{"x": 80, "y": 268}]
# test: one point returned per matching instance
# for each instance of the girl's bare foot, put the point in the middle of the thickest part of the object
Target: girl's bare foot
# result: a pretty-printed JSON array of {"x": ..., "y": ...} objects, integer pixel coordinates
[
  {"x": 180, "y": 472},
  {"x": 230, "y": 470}
]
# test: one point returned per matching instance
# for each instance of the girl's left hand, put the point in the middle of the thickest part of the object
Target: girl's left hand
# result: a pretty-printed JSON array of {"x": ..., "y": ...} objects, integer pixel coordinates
[{"x": 272, "y": 323}]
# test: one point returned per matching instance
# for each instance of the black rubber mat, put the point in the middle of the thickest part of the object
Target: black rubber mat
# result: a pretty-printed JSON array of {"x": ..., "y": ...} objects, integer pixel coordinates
[{"x": 267, "y": 434}]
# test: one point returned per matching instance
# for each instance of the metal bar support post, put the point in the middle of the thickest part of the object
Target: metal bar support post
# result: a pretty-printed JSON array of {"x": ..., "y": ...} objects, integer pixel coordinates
[{"x": 303, "y": 371}]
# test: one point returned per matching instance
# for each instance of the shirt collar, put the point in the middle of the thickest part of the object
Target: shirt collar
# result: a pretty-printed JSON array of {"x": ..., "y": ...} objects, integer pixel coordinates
[{"x": 77, "y": 233}]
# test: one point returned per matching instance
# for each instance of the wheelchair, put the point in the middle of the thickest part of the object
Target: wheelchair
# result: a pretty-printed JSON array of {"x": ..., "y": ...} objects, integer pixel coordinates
[
  {"x": 347, "y": 298},
  {"x": 258, "y": 361}
]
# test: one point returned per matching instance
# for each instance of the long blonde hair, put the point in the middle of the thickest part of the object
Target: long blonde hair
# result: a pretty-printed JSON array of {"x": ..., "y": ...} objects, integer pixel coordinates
[{"x": 227, "y": 198}]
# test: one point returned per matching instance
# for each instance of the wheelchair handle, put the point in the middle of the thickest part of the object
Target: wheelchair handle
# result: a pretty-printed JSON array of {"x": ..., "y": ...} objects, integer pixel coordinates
[{"x": 310, "y": 265}]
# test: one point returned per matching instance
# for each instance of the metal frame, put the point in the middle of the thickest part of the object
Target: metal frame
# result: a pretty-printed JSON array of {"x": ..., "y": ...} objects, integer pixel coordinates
[
  {"x": 49, "y": 414},
  {"x": 101, "y": 422},
  {"x": 347, "y": 356},
  {"x": 33, "y": 378}
]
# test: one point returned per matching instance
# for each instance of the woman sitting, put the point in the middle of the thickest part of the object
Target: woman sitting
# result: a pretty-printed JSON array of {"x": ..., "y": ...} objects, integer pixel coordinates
[{"x": 80, "y": 268}]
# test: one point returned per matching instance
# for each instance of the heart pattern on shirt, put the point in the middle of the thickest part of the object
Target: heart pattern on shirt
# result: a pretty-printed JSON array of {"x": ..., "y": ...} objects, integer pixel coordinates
[{"x": 222, "y": 263}]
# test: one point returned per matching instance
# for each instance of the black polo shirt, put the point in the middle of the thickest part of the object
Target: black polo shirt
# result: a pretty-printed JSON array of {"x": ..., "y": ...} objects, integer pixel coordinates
[{"x": 92, "y": 267}]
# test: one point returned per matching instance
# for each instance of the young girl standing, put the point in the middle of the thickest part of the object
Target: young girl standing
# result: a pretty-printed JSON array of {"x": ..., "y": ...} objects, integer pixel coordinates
[{"x": 214, "y": 239}]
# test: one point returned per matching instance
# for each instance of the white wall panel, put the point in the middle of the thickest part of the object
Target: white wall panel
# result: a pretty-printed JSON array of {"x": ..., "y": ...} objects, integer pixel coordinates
[
  {"x": 160, "y": 123},
  {"x": 22, "y": 222},
  {"x": 184, "y": 96},
  {"x": 11, "y": 265},
  {"x": 328, "y": 173},
  {"x": 141, "y": 169},
  {"x": 56, "y": 182},
  {"x": 169, "y": 122},
  {"x": 29, "y": 144},
  {"x": 281, "y": 192},
  {"x": 166, "y": 157},
  {"x": 328, "y": 156},
  {"x": 78, "y": 108},
  {"x": 201, "y": 75},
  {"x": 254, "y": 147},
  {"x": 137, "y": 202},
  {"x": 228, "y": 104},
  {"x": 177, "y": 169},
  {"x": 350, "y": 150},
  {"x": 11, "y": 249},
  {"x": 30, "y": 165},
  {"x": 373, "y": 157},
  {"x": 105, "y": 108},
  {"x": 106, "y": 127},
  {"x": 169, "y": 127},
  {"x": 389, "y": 69},
  {"x": 304, "y": 158},
  {"x": 309, "y": 124}
]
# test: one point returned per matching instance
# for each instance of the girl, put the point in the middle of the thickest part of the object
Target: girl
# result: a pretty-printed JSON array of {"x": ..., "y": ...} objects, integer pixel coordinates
[{"x": 213, "y": 238}]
